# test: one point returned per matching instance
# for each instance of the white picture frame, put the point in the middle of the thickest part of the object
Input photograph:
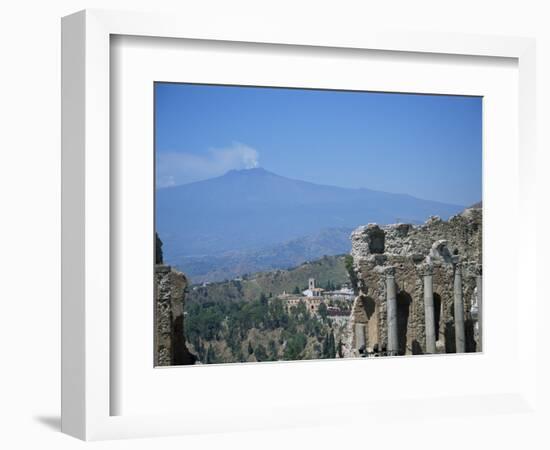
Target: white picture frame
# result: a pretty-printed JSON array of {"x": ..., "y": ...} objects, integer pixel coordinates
[{"x": 88, "y": 325}]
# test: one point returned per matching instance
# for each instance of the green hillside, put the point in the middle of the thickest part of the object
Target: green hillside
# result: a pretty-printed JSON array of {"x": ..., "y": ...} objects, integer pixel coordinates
[
  {"x": 326, "y": 270},
  {"x": 243, "y": 320}
]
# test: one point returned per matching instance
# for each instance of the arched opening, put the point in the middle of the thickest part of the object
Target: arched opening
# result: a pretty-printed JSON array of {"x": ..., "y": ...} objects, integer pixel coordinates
[
  {"x": 437, "y": 314},
  {"x": 369, "y": 304},
  {"x": 404, "y": 301},
  {"x": 371, "y": 322}
]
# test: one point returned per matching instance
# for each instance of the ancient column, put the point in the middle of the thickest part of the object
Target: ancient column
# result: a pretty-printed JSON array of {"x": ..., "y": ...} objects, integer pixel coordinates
[
  {"x": 460, "y": 338},
  {"x": 359, "y": 336},
  {"x": 479, "y": 293},
  {"x": 429, "y": 311},
  {"x": 391, "y": 299}
]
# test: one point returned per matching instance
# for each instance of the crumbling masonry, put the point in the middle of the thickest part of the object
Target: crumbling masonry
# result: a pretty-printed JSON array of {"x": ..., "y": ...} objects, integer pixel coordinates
[
  {"x": 170, "y": 290},
  {"x": 419, "y": 287}
]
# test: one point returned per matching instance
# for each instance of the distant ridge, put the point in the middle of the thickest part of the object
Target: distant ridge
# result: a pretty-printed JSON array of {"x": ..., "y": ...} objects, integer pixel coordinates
[
  {"x": 332, "y": 241},
  {"x": 251, "y": 209}
]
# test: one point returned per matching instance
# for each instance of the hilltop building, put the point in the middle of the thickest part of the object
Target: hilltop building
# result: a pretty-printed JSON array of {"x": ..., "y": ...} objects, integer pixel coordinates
[
  {"x": 313, "y": 297},
  {"x": 312, "y": 290}
]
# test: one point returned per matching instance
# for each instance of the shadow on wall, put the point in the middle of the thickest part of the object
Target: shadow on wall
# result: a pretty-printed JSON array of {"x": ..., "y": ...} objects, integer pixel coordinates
[
  {"x": 369, "y": 304},
  {"x": 404, "y": 301},
  {"x": 416, "y": 348},
  {"x": 437, "y": 314},
  {"x": 181, "y": 356},
  {"x": 450, "y": 344},
  {"x": 470, "y": 337}
]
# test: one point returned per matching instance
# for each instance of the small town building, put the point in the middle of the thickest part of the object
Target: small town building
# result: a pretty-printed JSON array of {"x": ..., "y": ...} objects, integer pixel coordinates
[{"x": 312, "y": 290}]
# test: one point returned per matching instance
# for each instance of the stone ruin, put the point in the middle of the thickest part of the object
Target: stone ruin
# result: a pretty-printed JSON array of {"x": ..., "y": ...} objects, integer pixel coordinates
[
  {"x": 419, "y": 287},
  {"x": 170, "y": 291}
]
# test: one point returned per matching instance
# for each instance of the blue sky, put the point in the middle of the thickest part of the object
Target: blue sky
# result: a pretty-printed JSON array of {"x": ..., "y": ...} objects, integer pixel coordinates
[{"x": 427, "y": 146}]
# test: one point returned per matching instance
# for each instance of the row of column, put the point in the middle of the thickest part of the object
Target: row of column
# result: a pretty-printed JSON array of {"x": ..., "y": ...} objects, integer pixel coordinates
[{"x": 429, "y": 313}]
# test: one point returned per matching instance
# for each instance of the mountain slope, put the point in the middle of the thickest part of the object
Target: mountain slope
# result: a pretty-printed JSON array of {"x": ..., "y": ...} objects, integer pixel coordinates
[
  {"x": 251, "y": 209},
  {"x": 326, "y": 269},
  {"x": 228, "y": 265}
]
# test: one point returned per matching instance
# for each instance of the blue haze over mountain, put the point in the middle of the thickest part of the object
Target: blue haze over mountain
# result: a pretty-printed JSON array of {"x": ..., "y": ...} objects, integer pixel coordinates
[
  {"x": 254, "y": 213},
  {"x": 218, "y": 220}
]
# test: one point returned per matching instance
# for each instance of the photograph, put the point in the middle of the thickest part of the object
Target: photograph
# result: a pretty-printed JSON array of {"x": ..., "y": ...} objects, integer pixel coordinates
[
  {"x": 243, "y": 225},
  {"x": 306, "y": 224}
]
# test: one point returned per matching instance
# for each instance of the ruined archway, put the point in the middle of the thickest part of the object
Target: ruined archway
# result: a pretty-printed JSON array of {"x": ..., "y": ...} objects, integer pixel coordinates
[{"x": 404, "y": 301}]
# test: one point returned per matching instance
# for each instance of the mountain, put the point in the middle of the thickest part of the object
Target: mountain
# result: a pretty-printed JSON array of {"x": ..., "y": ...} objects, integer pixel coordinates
[
  {"x": 228, "y": 265},
  {"x": 249, "y": 210}
]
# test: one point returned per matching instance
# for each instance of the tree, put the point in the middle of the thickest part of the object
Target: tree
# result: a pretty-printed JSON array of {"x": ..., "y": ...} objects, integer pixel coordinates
[
  {"x": 240, "y": 357},
  {"x": 250, "y": 349},
  {"x": 322, "y": 310},
  {"x": 263, "y": 299},
  {"x": 296, "y": 290},
  {"x": 340, "y": 349},
  {"x": 260, "y": 353},
  {"x": 211, "y": 357},
  {"x": 295, "y": 345},
  {"x": 272, "y": 350},
  {"x": 325, "y": 351},
  {"x": 277, "y": 314},
  {"x": 331, "y": 345}
]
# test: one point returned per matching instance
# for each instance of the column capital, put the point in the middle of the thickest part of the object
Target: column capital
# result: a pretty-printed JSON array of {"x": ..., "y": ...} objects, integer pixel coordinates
[{"x": 426, "y": 270}]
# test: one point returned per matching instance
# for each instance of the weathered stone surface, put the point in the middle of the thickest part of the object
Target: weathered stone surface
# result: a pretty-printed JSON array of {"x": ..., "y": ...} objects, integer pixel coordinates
[
  {"x": 170, "y": 346},
  {"x": 410, "y": 252},
  {"x": 462, "y": 233},
  {"x": 370, "y": 240},
  {"x": 158, "y": 250}
]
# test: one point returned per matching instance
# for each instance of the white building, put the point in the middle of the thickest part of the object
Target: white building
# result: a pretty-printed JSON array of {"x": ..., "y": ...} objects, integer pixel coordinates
[
  {"x": 344, "y": 293},
  {"x": 313, "y": 291}
]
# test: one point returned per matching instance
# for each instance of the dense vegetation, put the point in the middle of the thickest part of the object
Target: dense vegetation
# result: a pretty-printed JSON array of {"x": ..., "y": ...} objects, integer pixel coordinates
[
  {"x": 258, "y": 330},
  {"x": 244, "y": 320}
]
